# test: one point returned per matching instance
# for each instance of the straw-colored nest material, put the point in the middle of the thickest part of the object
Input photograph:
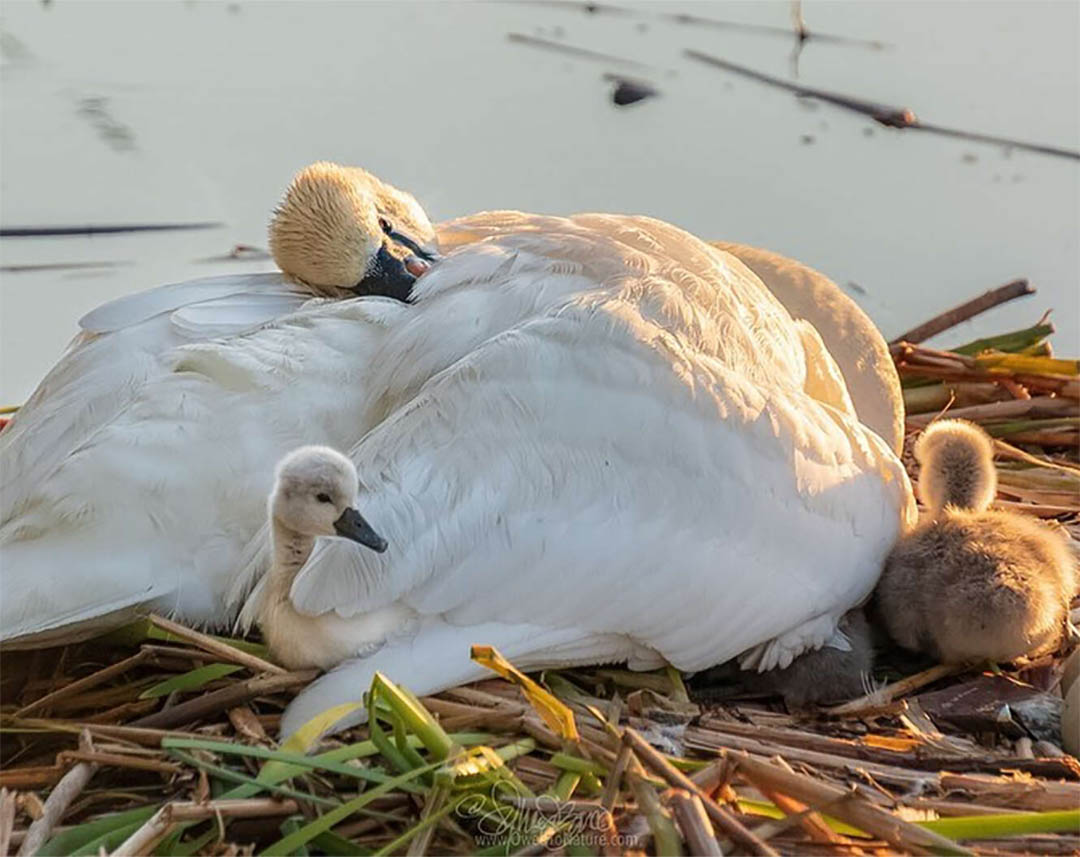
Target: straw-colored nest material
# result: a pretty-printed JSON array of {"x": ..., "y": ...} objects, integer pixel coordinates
[{"x": 161, "y": 740}]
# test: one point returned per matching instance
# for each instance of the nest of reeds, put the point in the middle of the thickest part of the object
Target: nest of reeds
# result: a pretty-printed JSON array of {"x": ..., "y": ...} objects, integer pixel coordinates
[{"x": 160, "y": 739}]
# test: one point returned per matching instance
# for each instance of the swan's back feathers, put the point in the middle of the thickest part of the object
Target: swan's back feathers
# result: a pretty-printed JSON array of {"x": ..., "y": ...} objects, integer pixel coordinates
[
  {"x": 666, "y": 415},
  {"x": 848, "y": 333}
]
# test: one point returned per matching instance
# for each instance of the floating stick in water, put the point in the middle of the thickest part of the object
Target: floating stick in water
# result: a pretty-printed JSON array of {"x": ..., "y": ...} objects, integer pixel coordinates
[
  {"x": 107, "y": 229},
  {"x": 570, "y": 50},
  {"x": 884, "y": 114}
]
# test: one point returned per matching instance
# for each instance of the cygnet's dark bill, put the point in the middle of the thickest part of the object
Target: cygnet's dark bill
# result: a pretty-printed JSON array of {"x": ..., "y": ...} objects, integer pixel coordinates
[{"x": 351, "y": 525}]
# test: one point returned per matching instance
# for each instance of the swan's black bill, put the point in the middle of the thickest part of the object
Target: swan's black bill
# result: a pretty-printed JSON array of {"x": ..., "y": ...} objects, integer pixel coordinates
[
  {"x": 387, "y": 275},
  {"x": 352, "y": 525}
]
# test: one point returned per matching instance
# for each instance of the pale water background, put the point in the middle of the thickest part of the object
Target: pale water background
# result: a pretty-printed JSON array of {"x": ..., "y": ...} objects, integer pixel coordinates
[{"x": 185, "y": 111}]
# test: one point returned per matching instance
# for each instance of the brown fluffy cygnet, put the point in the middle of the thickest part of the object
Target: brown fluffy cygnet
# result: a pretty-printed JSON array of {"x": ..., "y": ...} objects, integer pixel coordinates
[
  {"x": 969, "y": 584},
  {"x": 829, "y": 674},
  {"x": 826, "y": 675}
]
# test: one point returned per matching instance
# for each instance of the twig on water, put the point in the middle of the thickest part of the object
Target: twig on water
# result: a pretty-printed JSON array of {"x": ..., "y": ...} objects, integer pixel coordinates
[
  {"x": 104, "y": 229},
  {"x": 883, "y": 114},
  {"x": 803, "y": 35},
  {"x": 570, "y": 50}
]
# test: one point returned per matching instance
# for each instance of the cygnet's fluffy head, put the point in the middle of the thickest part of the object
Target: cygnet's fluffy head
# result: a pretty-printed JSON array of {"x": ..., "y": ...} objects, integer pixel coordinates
[
  {"x": 956, "y": 466},
  {"x": 315, "y": 495},
  {"x": 343, "y": 232}
]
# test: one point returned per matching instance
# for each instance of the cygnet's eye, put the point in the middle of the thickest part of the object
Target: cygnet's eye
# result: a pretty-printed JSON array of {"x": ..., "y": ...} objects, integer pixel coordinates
[
  {"x": 323, "y": 498},
  {"x": 385, "y": 225}
]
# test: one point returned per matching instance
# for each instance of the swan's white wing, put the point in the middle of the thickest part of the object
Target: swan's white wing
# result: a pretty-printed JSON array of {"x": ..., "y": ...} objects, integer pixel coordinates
[
  {"x": 158, "y": 503},
  {"x": 589, "y": 468},
  {"x": 249, "y": 293},
  {"x": 122, "y": 346},
  {"x": 851, "y": 337}
]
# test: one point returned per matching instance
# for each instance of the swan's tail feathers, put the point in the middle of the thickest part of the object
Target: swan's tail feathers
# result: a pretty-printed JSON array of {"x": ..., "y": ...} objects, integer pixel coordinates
[{"x": 437, "y": 658}]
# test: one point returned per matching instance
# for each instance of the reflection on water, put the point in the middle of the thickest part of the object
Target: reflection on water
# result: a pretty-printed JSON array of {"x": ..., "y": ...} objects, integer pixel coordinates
[{"x": 194, "y": 112}]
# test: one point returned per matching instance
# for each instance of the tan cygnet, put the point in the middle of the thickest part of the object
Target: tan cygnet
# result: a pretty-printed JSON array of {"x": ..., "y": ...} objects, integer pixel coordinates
[
  {"x": 314, "y": 495},
  {"x": 969, "y": 584},
  {"x": 343, "y": 232}
]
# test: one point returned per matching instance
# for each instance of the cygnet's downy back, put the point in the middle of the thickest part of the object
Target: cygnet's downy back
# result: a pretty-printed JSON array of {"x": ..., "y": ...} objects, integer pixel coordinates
[{"x": 970, "y": 584}]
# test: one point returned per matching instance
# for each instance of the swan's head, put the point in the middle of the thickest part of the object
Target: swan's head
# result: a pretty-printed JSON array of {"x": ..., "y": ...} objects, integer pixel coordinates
[
  {"x": 342, "y": 232},
  {"x": 315, "y": 495},
  {"x": 956, "y": 466}
]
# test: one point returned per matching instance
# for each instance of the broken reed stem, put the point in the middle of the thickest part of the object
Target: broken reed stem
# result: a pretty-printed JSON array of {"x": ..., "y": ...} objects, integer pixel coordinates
[
  {"x": 1038, "y": 406},
  {"x": 966, "y": 310},
  {"x": 666, "y": 839},
  {"x": 162, "y": 822},
  {"x": 82, "y": 684},
  {"x": 223, "y": 700},
  {"x": 7, "y": 820},
  {"x": 217, "y": 648},
  {"x": 894, "y": 691},
  {"x": 844, "y": 805},
  {"x": 720, "y": 816},
  {"x": 693, "y": 823},
  {"x": 614, "y": 781},
  {"x": 148, "y": 835},
  {"x": 60, "y": 798},
  {"x": 808, "y": 819}
]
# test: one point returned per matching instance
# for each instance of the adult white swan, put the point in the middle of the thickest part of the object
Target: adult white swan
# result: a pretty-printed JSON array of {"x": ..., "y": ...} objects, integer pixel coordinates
[
  {"x": 70, "y": 473},
  {"x": 156, "y": 497},
  {"x": 338, "y": 232},
  {"x": 605, "y": 440}
]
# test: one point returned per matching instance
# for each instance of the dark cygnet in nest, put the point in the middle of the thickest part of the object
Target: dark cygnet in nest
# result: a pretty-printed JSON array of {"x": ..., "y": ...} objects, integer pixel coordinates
[
  {"x": 826, "y": 675},
  {"x": 969, "y": 584}
]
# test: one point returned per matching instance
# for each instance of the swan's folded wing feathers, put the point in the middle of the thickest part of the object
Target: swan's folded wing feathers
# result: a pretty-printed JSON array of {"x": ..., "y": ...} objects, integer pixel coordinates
[
  {"x": 132, "y": 309},
  {"x": 235, "y": 313},
  {"x": 479, "y": 506}
]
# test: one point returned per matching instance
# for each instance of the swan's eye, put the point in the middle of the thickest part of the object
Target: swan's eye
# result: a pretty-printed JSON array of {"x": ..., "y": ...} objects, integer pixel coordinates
[
  {"x": 385, "y": 226},
  {"x": 323, "y": 498}
]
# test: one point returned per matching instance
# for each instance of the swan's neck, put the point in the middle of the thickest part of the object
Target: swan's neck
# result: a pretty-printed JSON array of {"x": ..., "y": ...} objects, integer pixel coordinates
[{"x": 290, "y": 551}]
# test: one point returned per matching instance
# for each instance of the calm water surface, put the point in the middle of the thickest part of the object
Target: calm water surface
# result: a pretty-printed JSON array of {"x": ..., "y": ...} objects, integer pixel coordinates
[{"x": 182, "y": 111}]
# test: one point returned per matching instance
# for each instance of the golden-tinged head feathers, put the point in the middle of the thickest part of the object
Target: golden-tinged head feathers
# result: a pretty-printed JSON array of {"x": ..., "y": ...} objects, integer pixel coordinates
[
  {"x": 328, "y": 225},
  {"x": 325, "y": 229}
]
